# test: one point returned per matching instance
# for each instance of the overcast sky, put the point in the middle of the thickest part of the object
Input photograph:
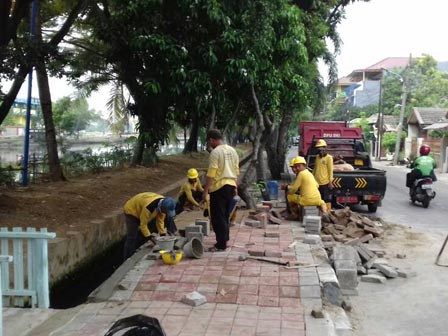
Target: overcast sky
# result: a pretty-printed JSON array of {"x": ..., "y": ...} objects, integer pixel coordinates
[
  {"x": 379, "y": 29},
  {"x": 371, "y": 32}
]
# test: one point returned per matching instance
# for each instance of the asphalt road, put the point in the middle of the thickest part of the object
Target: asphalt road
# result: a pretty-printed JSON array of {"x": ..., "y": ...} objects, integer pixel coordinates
[{"x": 397, "y": 208}]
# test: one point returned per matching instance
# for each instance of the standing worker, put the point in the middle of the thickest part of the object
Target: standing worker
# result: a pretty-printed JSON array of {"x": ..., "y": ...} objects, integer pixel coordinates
[
  {"x": 147, "y": 211},
  {"x": 190, "y": 193},
  {"x": 307, "y": 186},
  {"x": 323, "y": 172},
  {"x": 221, "y": 185}
]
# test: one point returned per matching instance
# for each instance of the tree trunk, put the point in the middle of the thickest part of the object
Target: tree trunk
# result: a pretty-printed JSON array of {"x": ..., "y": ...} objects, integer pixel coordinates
[
  {"x": 231, "y": 123},
  {"x": 192, "y": 143},
  {"x": 277, "y": 144},
  {"x": 137, "y": 158},
  {"x": 211, "y": 120},
  {"x": 251, "y": 173},
  {"x": 56, "y": 173}
]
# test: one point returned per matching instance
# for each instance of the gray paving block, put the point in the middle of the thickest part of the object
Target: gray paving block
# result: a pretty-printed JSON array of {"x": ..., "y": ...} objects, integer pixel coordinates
[
  {"x": 310, "y": 292},
  {"x": 373, "y": 278},
  {"x": 194, "y": 299},
  {"x": 191, "y": 235},
  {"x": 311, "y": 280},
  {"x": 347, "y": 273},
  {"x": 331, "y": 290},
  {"x": 387, "y": 270},
  {"x": 349, "y": 292},
  {"x": 193, "y": 228},
  {"x": 344, "y": 253},
  {"x": 312, "y": 219},
  {"x": 362, "y": 253},
  {"x": 312, "y": 239},
  {"x": 205, "y": 224},
  {"x": 319, "y": 327},
  {"x": 341, "y": 322}
]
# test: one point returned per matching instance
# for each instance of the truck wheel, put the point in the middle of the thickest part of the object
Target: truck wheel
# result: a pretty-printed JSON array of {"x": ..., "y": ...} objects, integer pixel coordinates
[{"x": 372, "y": 207}]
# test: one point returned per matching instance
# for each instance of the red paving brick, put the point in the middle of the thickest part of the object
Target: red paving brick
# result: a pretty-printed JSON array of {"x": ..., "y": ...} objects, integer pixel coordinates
[{"x": 244, "y": 297}]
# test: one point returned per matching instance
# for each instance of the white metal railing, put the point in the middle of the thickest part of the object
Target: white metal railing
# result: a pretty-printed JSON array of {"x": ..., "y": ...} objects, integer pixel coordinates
[{"x": 25, "y": 281}]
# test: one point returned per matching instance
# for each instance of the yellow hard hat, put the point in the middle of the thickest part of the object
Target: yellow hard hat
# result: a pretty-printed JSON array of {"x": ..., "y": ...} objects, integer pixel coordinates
[
  {"x": 192, "y": 173},
  {"x": 300, "y": 159},
  {"x": 321, "y": 143},
  {"x": 291, "y": 163}
]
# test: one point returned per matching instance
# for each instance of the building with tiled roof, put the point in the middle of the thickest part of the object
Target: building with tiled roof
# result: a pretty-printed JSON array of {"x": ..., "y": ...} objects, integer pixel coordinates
[
  {"x": 362, "y": 87},
  {"x": 423, "y": 119}
]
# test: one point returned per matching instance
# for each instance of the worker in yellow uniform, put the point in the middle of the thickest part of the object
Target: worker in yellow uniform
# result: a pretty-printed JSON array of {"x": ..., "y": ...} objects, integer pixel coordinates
[
  {"x": 323, "y": 171},
  {"x": 221, "y": 186},
  {"x": 308, "y": 189},
  {"x": 284, "y": 187},
  {"x": 146, "y": 212},
  {"x": 190, "y": 193}
]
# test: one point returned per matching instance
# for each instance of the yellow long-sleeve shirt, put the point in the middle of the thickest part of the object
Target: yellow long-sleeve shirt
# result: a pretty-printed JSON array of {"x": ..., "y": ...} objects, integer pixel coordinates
[
  {"x": 223, "y": 167},
  {"x": 323, "y": 169},
  {"x": 137, "y": 207},
  {"x": 309, "y": 190},
  {"x": 187, "y": 188}
]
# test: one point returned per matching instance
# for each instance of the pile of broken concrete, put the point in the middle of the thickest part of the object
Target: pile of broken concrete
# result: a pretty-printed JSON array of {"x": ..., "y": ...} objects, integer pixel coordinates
[{"x": 349, "y": 227}]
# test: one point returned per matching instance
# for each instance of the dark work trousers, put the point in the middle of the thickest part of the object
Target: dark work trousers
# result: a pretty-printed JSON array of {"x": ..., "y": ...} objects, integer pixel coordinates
[
  {"x": 325, "y": 193},
  {"x": 197, "y": 195},
  {"x": 134, "y": 236},
  {"x": 220, "y": 201}
]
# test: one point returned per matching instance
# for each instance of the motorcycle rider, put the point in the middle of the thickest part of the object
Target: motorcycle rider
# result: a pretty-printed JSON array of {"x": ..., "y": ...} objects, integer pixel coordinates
[{"x": 423, "y": 166}]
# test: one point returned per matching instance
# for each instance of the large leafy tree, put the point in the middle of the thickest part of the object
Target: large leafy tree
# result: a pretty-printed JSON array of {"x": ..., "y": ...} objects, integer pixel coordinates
[
  {"x": 72, "y": 115},
  {"x": 20, "y": 52}
]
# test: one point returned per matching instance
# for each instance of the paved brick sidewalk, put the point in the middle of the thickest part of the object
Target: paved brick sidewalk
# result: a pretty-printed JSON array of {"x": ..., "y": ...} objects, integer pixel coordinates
[{"x": 243, "y": 297}]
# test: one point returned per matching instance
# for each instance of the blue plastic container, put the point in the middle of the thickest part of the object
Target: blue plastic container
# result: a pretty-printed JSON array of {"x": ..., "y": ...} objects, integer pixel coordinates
[{"x": 273, "y": 190}]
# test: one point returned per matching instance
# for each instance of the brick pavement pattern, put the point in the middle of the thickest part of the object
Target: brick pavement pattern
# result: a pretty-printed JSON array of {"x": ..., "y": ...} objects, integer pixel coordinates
[{"x": 248, "y": 297}]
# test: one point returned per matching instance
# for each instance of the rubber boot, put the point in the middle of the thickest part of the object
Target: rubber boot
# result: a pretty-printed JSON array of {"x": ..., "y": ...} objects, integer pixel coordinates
[
  {"x": 325, "y": 217},
  {"x": 295, "y": 213}
]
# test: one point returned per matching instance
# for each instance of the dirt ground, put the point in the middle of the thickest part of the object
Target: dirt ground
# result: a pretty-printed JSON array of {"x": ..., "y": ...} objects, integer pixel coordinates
[{"x": 71, "y": 205}]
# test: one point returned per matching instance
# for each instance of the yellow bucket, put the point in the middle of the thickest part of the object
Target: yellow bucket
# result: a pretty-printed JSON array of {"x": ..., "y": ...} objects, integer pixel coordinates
[{"x": 171, "y": 257}]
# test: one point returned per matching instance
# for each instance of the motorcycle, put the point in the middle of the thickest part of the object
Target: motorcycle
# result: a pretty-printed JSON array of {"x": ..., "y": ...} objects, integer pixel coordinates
[{"x": 421, "y": 191}]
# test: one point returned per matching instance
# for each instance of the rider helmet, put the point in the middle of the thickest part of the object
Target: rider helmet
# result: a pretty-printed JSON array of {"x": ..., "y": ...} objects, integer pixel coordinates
[{"x": 425, "y": 150}]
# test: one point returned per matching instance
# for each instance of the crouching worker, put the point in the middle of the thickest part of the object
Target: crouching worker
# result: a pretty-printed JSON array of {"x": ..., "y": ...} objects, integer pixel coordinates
[
  {"x": 308, "y": 189},
  {"x": 147, "y": 212},
  {"x": 190, "y": 193}
]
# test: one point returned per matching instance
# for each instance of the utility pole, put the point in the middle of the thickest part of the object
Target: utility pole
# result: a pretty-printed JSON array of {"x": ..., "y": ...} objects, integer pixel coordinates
[
  {"x": 380, "y": 123},
  {"x": 404, "y": 80},
  {"x": 26, "y": 149}
]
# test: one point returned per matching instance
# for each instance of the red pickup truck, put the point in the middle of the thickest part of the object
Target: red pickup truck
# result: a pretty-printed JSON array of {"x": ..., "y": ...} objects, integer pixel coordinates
[{"x": 365, "y": 184}]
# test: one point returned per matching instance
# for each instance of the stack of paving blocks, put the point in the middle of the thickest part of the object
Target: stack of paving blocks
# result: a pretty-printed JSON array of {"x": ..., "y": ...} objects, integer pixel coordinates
[
  {"x": 310, "y": 211},
  {"x": 205, "y": 224},
  {"x": 312, "y": 224},
  {"x": 194, "y": 231},
  {"x": 345, "y": 259}
]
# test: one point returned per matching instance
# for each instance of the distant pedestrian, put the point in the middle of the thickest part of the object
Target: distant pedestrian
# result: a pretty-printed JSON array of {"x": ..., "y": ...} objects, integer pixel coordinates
[
  {"x": 146, "y": 212},
  {"x": 221, "y": 185}
]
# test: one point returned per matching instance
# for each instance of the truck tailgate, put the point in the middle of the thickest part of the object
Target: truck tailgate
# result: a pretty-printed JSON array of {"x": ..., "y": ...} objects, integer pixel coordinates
[{"x": 360, "y": 182}]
